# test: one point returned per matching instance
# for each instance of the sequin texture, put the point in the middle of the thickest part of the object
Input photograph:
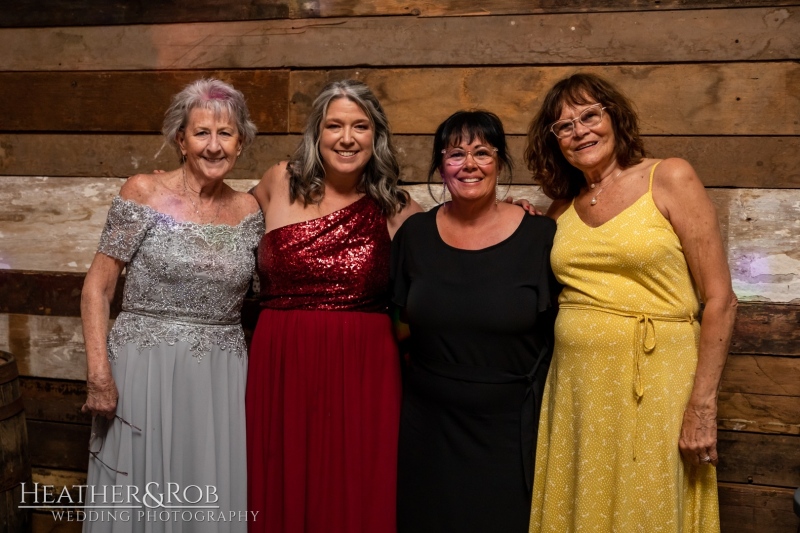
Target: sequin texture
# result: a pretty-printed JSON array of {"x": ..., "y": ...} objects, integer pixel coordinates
[
  {"x": 184, "y": 281},
  {"x": 336, "y": 262}
]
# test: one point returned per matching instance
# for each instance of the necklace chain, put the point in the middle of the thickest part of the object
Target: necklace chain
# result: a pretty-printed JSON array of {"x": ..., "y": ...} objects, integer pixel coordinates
[
  {"x": 601, "y": 189},
  {"x": 186, "y": 190}
]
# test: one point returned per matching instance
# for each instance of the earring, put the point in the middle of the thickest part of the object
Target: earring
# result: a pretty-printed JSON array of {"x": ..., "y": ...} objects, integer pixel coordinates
[{"x": 444, "y": 190}]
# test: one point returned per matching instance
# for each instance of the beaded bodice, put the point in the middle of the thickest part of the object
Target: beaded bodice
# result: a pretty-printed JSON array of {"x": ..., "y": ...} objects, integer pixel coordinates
[
  {"x": 336, "y": 262},
  {"x": 184, "y": 281}
]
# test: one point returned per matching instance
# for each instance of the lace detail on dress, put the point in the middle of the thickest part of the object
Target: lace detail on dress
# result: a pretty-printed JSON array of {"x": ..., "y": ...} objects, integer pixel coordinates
[
  {"x": 146, "y": 332},
  {"x": 184, "y": 281}
]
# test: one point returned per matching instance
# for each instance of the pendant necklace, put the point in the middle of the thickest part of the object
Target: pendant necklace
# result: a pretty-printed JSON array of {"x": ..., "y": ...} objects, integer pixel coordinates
[
  {"x": 186, "y": 190},
  {"x": 592, "y": 186}
]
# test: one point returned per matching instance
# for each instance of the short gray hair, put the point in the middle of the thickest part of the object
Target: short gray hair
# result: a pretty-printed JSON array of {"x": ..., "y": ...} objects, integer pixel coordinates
[{"x": 208, "y": 93}]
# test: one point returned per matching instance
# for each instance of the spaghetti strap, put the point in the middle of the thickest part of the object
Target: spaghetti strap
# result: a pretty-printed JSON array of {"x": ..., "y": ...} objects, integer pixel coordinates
[{"x": 652, "y": 173}]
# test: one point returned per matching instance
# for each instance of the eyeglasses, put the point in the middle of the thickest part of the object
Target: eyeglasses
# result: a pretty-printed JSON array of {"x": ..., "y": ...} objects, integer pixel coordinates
[
  {"x": 457, "y": 157},
  {"x": 589, "y": 117},
  {"x": 99, "y": 429}
]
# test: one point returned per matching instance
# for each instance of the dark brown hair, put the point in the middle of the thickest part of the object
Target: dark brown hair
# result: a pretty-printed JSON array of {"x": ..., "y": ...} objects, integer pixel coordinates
[{"x": 559, "y": 179}]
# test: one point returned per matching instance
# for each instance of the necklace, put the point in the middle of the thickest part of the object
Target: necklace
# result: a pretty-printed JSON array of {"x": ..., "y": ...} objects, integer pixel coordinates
[
  {"x": 592, "y": 186},
  {"x": 186, "y": 190}
]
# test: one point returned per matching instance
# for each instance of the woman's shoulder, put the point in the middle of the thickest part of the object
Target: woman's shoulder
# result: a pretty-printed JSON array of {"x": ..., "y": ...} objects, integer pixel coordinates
[{"x": 141, "y": 188}]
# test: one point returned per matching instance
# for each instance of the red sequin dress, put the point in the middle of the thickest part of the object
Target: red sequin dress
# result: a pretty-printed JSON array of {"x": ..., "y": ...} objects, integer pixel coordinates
[{"x": 323, "y": 390}]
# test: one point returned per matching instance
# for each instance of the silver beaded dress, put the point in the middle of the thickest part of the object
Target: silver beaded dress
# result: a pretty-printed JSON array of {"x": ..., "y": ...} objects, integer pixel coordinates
[{"x": 179, "y": 360}]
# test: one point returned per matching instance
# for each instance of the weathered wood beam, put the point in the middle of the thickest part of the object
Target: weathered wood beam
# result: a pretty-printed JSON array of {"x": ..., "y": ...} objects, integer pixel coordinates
[
  {"x": 132, "y": 102},
  {"x": 54, "y": 225},
  {"x": 758, "y": 458},
  {"x": 759, "y": 413},
  {"x": 580, "y": 38},
  {"x": 33, "y": 13},
  {"x": 755, "y": 509},
  {"x": 770, "y": 162},
  {"x": 686, "y": 99},
  {"x": 762, "y": 374}
]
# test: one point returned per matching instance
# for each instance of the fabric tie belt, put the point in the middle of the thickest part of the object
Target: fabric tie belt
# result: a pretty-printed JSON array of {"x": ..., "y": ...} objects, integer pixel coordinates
[
  {"x": 188, "y": 321},
  {"x": 644, "y": 342},
  {"x": 529, "y": 410}
]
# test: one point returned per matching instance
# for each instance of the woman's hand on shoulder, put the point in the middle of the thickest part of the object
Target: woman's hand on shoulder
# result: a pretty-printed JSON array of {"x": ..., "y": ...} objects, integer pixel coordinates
[
  {"x": 524, "y": 204},
  {"x": 397, "y": 220}
]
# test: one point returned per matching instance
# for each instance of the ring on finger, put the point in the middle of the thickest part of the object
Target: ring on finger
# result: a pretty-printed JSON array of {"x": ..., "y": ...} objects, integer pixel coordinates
[{"x": 706, "y": 459}]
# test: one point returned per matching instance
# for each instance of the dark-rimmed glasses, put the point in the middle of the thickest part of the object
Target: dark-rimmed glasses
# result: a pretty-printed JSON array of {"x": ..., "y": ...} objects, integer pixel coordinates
[
  {"x": 589, "y": 117},
  {"x": 456, "y": 157},
  {"x": 101, "y": 423}
]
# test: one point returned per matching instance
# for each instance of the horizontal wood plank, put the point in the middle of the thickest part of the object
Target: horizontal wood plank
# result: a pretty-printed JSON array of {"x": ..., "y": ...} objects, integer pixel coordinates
[
  {"x": 760, "y": 459},
  {"x": 54, "y": 225},
  {"x": 755, "y": 509},
  {"x": 69, "y": 451},
  {"x": 759, "y": 413},
  {"x": 43, "y": 13},
  {"x": 46, "y": 293},
  {"x": 126, "y": 101},
  {"x": 767, "y": 329},
  {"x": 762, "y": 374},
  {"x": 771, "y": 162},
  {"x": 54, "y": 400},
  {"x": 711, "y": 98},
  {"x": 46, "y": 347},
  {"x": 584, "y": 38}
]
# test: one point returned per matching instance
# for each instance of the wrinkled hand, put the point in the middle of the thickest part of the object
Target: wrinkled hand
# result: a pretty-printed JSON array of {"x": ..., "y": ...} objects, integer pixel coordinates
[
  {"x": 524, "y": 204},
  {"x": 101, "y": 397},
  {"x": 699, "y": 435}
]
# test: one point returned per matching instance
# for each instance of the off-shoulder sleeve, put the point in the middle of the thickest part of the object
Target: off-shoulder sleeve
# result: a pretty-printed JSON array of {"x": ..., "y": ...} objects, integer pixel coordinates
[
  {"x": 253, "y": 228},
  {"x": 398, "y": 276},
  {"x": 126, "y": 225}
]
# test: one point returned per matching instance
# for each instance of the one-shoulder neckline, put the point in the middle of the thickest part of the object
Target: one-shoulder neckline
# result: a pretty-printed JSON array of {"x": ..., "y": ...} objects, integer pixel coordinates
[
  {"x": 318, "y": 219},
  {"x": 145, "y": 207},
  {"x": 479, "y": 250}
]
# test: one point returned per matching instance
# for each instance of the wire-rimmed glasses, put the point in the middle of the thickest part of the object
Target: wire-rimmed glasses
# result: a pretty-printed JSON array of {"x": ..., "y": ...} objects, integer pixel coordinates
[
  {"x": 589, "y": 117},
  {"x": 457, "y": 157},
  {"x": 99, "y": 430}
]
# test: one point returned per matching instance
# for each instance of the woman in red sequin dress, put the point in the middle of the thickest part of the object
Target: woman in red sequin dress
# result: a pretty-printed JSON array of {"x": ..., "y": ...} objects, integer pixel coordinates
[{"x": 323, "y": 391}]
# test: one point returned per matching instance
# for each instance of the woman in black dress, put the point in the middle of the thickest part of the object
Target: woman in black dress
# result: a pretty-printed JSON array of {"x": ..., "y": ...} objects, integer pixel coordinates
[{"x": 472, "y": 278}]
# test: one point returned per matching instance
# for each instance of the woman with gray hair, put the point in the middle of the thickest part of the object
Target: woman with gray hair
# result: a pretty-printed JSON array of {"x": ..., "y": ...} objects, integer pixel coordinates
[
  {"x": 166, "y": 387},
  {"x": 323, "y": 395}
]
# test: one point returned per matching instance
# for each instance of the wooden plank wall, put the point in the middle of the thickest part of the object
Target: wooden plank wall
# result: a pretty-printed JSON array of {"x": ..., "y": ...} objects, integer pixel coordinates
[{"x": 85, "y": 84}]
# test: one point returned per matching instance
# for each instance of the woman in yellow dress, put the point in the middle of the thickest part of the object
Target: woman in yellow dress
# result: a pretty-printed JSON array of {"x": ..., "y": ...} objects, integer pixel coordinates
[{"x": 627, "y": 435}]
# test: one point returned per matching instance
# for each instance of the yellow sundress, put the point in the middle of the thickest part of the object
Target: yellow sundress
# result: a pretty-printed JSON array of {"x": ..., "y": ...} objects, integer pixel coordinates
[{"x": 607, "y": 458}]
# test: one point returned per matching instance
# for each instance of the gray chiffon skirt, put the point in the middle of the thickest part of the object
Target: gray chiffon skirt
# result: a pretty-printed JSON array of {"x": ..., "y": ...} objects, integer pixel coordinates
[{"x": 182, "y": 468}]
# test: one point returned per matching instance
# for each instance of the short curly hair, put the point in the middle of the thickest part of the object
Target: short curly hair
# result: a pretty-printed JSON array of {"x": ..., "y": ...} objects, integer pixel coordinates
[
  {"x": 207, "y": 93},
  {"x": 558, "y": 178}
]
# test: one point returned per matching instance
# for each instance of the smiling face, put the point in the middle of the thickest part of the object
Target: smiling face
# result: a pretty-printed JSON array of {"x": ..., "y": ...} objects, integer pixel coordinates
[
  {"x": 470, "y": 180},
  {"x": 210, "y": 144},
  {"x": 588, "y": 148},
  {"x": 345, "y": 142}
]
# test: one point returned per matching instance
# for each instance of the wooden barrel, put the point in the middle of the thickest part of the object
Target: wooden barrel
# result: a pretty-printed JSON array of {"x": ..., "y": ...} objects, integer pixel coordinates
[{"x": 14, "y": 456}]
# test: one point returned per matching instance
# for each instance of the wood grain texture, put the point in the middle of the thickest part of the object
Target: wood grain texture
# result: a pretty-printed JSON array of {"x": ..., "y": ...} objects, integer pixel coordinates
[
  {"x": 126, "y": 101},
  {"x": 762, "y": 374},
  {"x": 105, "y": 155},
  {"x": 54, "y": 400},
  {"x": 36, "y": 13},
  {"x": 760, "y": 459},
  {"x": 45, "y": 522},
  {"x": 745, "y": 161},
  {"x": 70, "y": 451},
  {"x": 759, "y": 413},
  {"x": 767, "y": 329},
  {"x": 54, "y": 225},
  {"x": 756, "y": 509},
  {"x": 711, "y": 98},
  {"x": 760, "y": 34},
  {"x": 47, "y": 347},
  {"x": 46, "y": 293},
  {"x": 444, "y": 8}
]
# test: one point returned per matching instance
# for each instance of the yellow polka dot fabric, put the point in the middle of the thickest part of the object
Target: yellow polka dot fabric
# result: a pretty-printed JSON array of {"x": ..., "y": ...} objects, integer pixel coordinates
[{"x": 607, "y": 458}]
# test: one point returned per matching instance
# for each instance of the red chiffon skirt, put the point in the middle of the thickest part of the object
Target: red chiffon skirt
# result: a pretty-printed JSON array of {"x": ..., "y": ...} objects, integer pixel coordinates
[{"x": 323, "y": 408}]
